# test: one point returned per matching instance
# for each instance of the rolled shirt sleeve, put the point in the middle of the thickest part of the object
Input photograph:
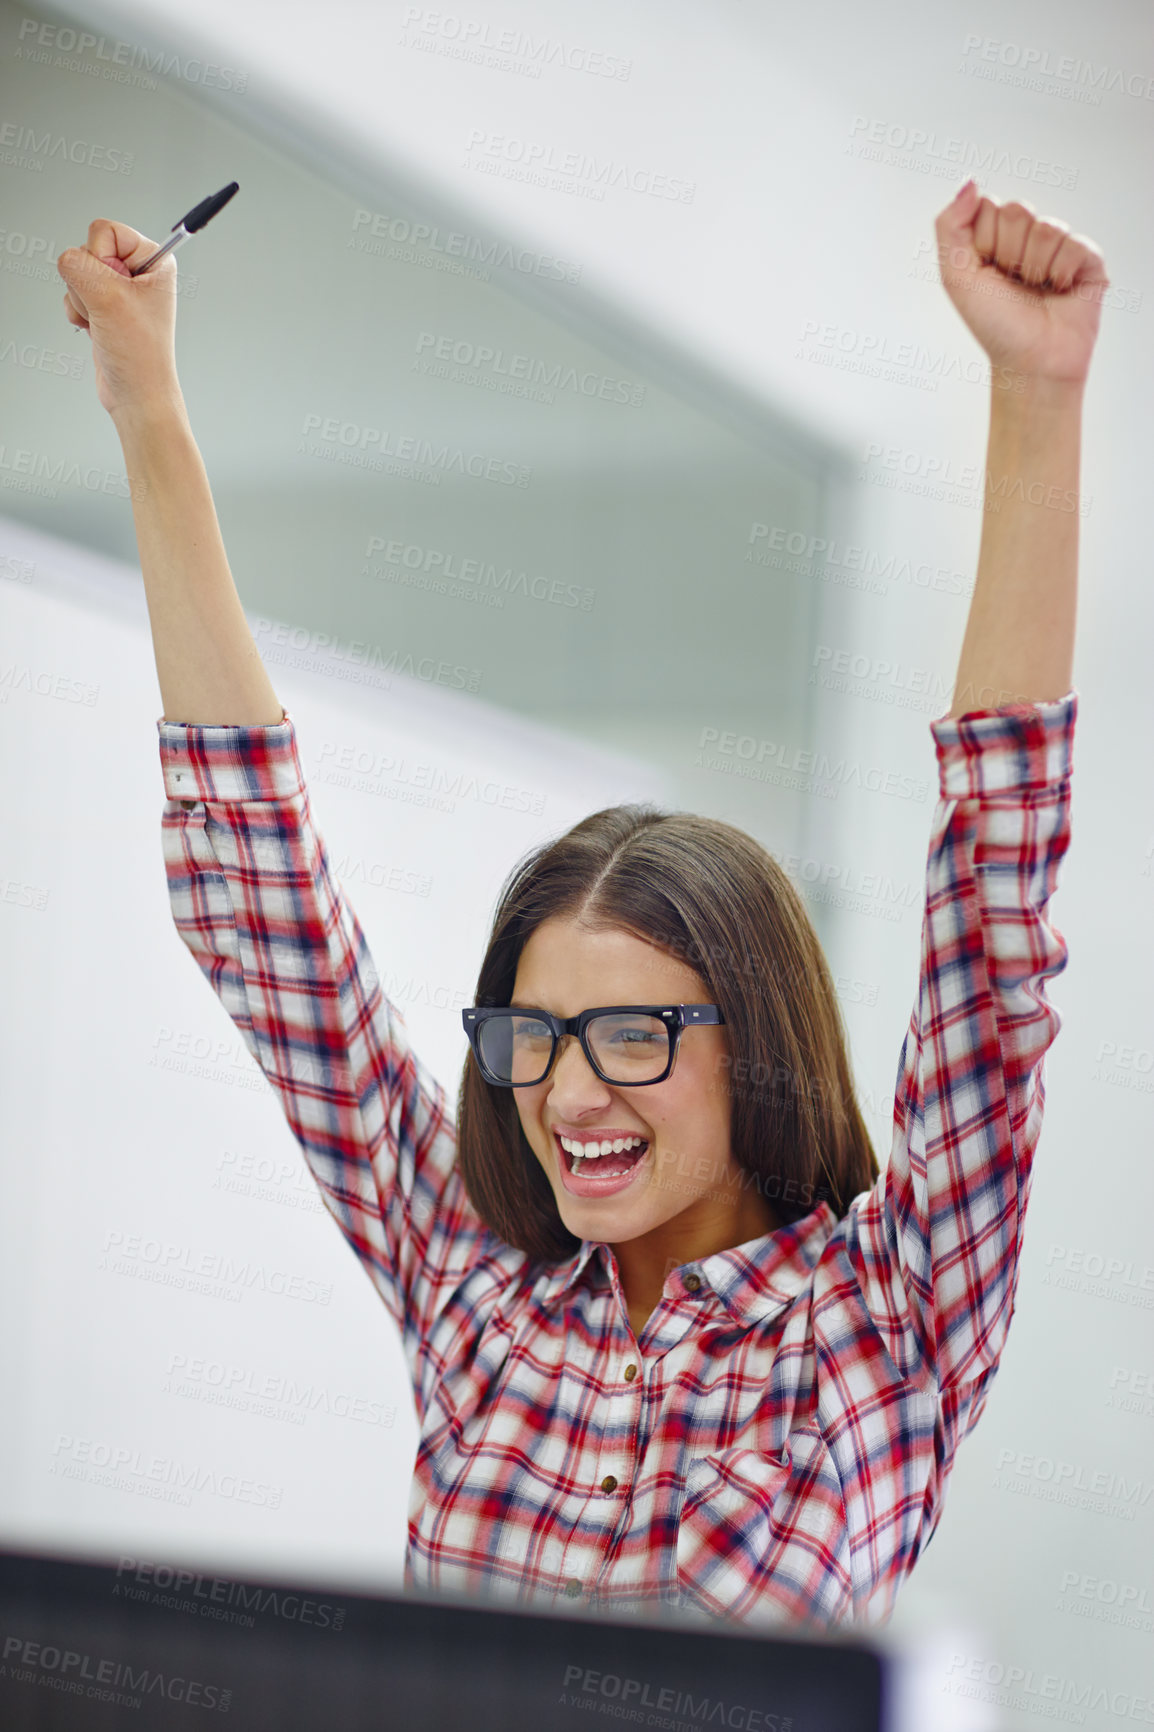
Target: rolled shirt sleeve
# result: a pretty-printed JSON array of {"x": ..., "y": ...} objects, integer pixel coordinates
[
  {"x": 255, "y": 900},
  {"x": 934, "y": 1246}
]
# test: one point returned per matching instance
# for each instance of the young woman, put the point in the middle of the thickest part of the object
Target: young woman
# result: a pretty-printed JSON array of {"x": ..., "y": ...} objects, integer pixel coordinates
[{"x": 673, "y": 1339}]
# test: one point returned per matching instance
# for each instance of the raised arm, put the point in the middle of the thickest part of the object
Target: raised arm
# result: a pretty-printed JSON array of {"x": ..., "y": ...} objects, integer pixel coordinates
[
  {"x": 933, "y": 1248},
  {"x": 251, "y": 888},
  {"x": 208, "y": 665},
  {"x": 1031, "y": 293}
]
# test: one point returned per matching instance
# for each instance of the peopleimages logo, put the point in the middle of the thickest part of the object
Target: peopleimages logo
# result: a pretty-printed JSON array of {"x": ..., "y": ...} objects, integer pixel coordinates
[
  {"x": 1045, "y": 1693},
  {"x": 373, "y": 769},
  {"x": 1101, "y": 1597},
  {"x": 38, "y": 358},
  {"x": 39, "y": 146},
  {"x": 880, "y": 671},
  {"x": 847, "y": 886},
  {"x": 325, "y": 653},
  {"x": 1097, "y": 1489},
  {"x": 448, "y": 573},
  {"x": 218, "y": 1596},
  {"x": 49, "y": 43},
  {"x": 477, "y": 41},
  {"x": 1138, "y": 1395},
  {"x": 940, "y": 478},
  {"x": 930, "y": 152},
  {"x": 1034, "y": 64},
  {"x": 172, "y": 1264},
  {"x": 420, "y": 242},
  {"x": 471, "y": 363},
  {"x": 813, "y": 551},
  {"x": 103, "y": 1680},
  {"x": 269, "y": 1397},
  {"x": 805, "y": 770},
  {"x": 640, "y": 1693},
  {"x": 371, "y": 445},
  {"x": 877, "y": 355},
  {"x": 20, "y": 468},
  {"x": 122, "y": 1467},
  {"x": 497, "y": 151}
]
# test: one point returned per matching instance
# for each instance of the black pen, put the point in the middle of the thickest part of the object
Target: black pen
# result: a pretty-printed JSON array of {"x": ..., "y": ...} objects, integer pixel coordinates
[{"x": 188, "y": 225}]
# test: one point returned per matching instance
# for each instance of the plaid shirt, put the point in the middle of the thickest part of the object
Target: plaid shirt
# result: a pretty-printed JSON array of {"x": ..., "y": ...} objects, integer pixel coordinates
[{"x": 776, "y": 1447}]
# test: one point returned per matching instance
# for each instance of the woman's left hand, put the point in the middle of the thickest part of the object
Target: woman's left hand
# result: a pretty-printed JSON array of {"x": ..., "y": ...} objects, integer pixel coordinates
[{"x": 1029, "y": 290}]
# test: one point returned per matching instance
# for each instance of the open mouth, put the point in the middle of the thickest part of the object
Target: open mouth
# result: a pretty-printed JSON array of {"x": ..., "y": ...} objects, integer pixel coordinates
[{"x": 595, "y": 1175}]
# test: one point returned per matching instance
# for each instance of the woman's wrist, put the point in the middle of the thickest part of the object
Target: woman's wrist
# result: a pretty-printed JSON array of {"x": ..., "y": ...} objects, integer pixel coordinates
[
  {"x": 1037, "y": 394},
  {"x": 145, "y": 414}
]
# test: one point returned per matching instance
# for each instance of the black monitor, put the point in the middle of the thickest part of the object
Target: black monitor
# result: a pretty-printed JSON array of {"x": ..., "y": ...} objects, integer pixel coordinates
[{"x": 87, "y": 1644}]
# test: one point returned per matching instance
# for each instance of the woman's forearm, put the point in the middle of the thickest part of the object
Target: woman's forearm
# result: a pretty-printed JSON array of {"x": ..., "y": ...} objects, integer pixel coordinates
[
  {"x": 1019, "y": 641},
  {"x": 207, "y": 662}
]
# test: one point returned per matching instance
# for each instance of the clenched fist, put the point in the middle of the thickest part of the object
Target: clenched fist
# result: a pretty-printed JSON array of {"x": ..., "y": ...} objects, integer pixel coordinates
[{"x": 1029, "y": 290}]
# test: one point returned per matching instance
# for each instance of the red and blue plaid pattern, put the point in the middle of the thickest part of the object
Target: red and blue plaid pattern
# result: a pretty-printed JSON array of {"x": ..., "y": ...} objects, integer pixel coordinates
[{"x": 777, "y": 1448}]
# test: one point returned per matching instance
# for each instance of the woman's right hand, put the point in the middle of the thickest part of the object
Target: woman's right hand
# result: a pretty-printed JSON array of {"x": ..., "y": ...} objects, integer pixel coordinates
[{"x": 131, "y": 320}]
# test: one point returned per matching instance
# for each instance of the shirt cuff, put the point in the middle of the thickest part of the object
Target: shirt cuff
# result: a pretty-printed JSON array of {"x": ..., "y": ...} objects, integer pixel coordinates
[
  {"x": 230, "y": 764},
  {"x": 1005, "y": 750}
]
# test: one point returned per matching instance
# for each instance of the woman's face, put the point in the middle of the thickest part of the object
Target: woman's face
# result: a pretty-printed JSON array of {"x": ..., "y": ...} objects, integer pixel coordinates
[{"x": 685, "y": 1188}]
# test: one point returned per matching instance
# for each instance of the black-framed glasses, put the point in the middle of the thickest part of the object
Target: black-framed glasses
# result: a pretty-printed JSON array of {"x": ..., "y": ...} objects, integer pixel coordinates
[{"x": 628, "y": 1045}]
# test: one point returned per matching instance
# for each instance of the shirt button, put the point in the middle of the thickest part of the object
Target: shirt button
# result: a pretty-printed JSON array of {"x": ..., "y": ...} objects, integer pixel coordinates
[
  {"x": 609, "y": 1483},
  {"x": 630, "y": 1373},
  {"x": 572, "y": 1589},
  {"x": 693, "y": 1283}
]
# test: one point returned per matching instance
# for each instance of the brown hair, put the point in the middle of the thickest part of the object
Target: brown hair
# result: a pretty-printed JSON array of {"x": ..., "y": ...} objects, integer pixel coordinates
[{"x": 711, "y": 897}]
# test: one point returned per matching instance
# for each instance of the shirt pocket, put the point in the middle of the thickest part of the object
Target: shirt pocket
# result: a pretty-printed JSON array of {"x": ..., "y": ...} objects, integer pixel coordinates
[{"x": 764, "y": 1537}]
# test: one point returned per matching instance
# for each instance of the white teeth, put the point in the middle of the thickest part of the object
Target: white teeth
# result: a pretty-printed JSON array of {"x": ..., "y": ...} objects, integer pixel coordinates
[{"x": 594, "y": 1151}]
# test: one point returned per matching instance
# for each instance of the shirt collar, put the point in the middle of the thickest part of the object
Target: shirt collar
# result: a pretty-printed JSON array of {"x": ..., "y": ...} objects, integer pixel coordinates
[{"x": 753, "y": 1280}]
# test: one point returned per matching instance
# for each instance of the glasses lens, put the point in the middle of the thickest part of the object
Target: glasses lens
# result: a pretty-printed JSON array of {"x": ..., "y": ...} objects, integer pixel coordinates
[
  {"x": 629, "y": 1046},
  {"x": 516, "y": 1048}
]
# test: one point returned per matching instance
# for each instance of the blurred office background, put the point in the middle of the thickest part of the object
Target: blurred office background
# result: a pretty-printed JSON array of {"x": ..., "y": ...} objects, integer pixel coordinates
[{"x": 579, "y": 397}]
